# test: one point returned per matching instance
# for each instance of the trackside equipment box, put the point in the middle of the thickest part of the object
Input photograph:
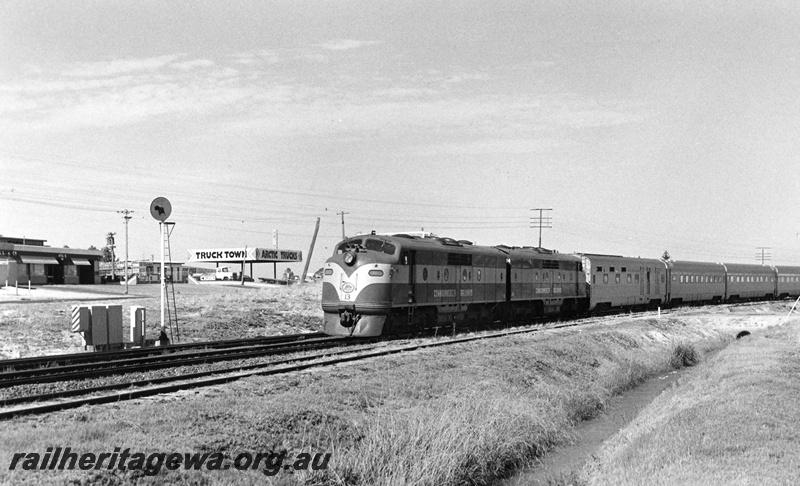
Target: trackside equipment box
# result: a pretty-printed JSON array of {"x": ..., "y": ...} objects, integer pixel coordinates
[
  {"x": 99, "y": 325},
  {"x": 138, "y": 321}
]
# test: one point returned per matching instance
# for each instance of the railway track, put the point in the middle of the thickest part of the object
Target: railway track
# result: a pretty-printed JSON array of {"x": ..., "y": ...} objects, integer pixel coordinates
[
  {"x": 148, "y": 363},
  {"x": 50, "y": 361}
]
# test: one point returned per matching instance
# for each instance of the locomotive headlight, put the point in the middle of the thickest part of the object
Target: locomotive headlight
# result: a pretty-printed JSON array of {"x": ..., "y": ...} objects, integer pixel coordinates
[{"x": 349, "y": 258}]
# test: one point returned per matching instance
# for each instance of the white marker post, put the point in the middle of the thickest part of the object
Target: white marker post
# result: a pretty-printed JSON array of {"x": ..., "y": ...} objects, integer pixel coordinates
[{"x": 162, "y": 227}]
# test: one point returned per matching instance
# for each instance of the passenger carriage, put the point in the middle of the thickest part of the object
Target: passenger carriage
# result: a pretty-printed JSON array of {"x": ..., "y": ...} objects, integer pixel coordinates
[
  {"x": 788, "y": 281},
  {"x": 617, "y": 281},
  {"x": 695, "y": 282},
  {"x": 748, "y": 281}
]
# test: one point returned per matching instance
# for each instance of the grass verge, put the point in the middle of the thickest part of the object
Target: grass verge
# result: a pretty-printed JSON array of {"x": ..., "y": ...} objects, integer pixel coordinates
[{"x": 731, "y": 421}]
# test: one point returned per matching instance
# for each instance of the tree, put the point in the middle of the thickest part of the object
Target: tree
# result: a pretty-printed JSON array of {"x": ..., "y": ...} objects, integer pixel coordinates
[
  {"x": 92, "y": 247},
  {"x": 107, "y": 254},
  {"x": 665, "y": 256}
]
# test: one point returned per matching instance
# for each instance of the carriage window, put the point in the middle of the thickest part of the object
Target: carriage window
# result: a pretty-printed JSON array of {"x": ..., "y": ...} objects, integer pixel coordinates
[
  {"x": 630, "y": 278},
  {"x": 446, "y": 274},
  {"x": 605, "y": 278},
  {"x": 479, "y": 275},
  {"x": 536, "y": 276},
  {"x": 636, "y": 277},
  {"x": 424, "y": 274},
  {"x": 547, "y": 275},
  {"x": 616, "y": 278},
  {"x": 464, "y": 275}
]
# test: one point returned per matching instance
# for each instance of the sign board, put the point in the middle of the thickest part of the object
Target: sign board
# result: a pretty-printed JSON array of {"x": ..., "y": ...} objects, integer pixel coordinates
[
  {"x": 249, "y": 255},
  {"x": 160, "y": 208}
]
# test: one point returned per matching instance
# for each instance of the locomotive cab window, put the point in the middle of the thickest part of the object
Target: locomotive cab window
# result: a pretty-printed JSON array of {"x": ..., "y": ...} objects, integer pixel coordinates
[
  {"x": 348, "y": 245},
  {"x": 382, "y": 246}
]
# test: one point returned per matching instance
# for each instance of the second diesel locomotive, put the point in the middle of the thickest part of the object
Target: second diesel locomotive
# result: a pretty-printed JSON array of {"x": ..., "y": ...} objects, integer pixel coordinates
[{"x": 397, "y": 284}]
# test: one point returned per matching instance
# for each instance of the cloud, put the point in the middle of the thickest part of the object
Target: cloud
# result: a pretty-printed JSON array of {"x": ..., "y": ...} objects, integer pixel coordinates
[
  {"x": 284, "y": 102},
  {"x": 119, "y": 66},
  {"x": 490, "y": 146},
  {"x": 187, "y": 65},
  {"x": 346, "y": 44}
]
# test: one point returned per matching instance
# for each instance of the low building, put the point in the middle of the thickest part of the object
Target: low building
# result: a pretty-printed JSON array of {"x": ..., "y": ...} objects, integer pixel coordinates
[
  {"x": 26, "y": 260},
  {"x": 148, "y": 271}
]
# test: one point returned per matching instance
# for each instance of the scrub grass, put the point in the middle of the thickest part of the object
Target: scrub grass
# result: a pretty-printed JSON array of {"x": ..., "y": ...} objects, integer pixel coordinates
[
  {"x": 463, "y": 414},
  {"x": 731, "y": 421},
  {"x": 205, "y": 313},
  {"x": 683, "y": 355}
]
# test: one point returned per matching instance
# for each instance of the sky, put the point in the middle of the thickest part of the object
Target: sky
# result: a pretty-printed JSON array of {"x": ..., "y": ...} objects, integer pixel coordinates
[{"x": 645, "y": 125}]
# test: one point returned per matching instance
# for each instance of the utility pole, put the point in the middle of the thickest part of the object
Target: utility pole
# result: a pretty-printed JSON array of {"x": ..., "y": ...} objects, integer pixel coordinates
[
  {"x": 110, "y": 244},
  {"x": 343, "y": 213},
  {"x": 541, "y": 221},
  {"x": 310, "y": 251},
  {"x": 126, "y": 216},
  {"x": 761, "y": 253}
]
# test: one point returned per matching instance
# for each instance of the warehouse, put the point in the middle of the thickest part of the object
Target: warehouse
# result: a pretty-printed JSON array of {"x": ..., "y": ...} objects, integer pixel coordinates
[{"x": 26, "y": 260}]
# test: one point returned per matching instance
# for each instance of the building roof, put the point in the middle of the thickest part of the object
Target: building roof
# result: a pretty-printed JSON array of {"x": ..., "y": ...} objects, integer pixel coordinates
[{"x": 21, "y": 241}]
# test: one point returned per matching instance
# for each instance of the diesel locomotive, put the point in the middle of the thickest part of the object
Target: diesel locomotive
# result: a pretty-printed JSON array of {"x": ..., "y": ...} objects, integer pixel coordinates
[{"x": 397, "y": 284}]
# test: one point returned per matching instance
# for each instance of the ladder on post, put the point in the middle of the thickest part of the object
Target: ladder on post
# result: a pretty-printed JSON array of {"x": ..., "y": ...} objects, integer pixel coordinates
[{"x": 172, "y": 310}]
